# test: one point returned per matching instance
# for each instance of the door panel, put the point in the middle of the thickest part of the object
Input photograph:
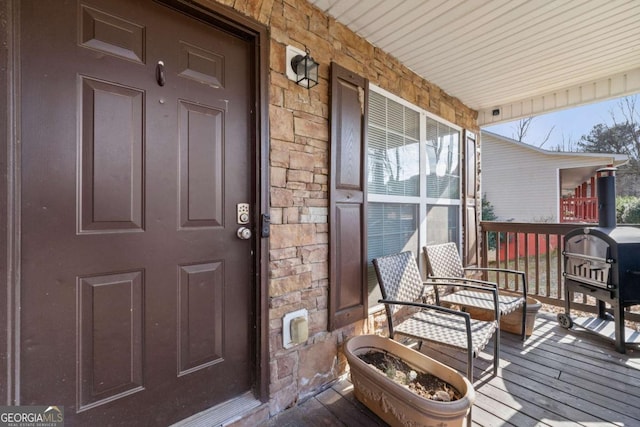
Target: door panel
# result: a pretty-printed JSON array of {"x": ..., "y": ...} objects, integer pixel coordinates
[
  {"x": 136, "y": 293},
  {"x": 110, "y": 336},
  {"x": 111, "y": 164},
  {"x": 201, "y": 165}
]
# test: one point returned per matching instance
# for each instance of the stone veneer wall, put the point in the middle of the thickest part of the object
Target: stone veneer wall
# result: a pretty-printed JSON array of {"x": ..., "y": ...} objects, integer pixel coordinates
[{"x": 299, "y": 162}]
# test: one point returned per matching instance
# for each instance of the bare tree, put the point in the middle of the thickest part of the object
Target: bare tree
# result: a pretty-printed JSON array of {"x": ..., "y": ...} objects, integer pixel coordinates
[
  {"x": 522, "y": 128},
  {"x": 631, "y": 122},
  {"x": 566, "y": 145},
  {"x": 622, "y": 137}
]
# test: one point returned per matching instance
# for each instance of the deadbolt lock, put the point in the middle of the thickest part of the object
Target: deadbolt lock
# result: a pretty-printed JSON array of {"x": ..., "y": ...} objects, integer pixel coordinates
[{"x": 242, "y": 210}]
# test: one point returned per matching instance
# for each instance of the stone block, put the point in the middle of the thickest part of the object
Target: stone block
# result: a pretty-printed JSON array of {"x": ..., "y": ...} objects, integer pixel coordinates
[
  {"x": 318, "y": 321},
  {"x": 295, "y": 17},
  {"x": 288, "y": 235},
  {"x": 279, "y": 157},
  {"x": 314, "y": 253},
  {"x": 276, "y": 95},
  {"x": 315, "y": 214},
  {"x": 302, "y": 161},
  {"x": 282, "y": 82},
  {"x": 284, "y": 285},
  {"x": 281, "y": 197},
  {"x": 283, "y": 398},
  {"x": 278, "y": 58},
  {"x": 319, "y": 271},
  {"x": 275, "y": 324},
  {"x": 312, "y": 129},
  {"x": 321, "y": 302},
  {"x": 286, "y": 365},
  {"x": 276, "y": 216},
  {"x": 447, "y": 112},
  {"x": 278, "y": 177},
  {"x": 319, "y": 178},
  {"x": 284, "y": 253},
  {"x": 293, "y": 298},
  {"x": 319, "y": 24},
  {"x": 266, "y": 11},
  {"x": 291, "y": 215},
  {"x": 296, "y": 187},
  {"x": 299, "y": 176},
  {"x": 281, "y": 123},
  {"x": 317, "y": 365}
]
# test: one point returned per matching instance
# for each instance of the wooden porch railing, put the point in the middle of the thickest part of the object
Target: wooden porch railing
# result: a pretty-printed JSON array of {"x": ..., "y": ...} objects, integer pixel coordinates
[
  {"x": 535, "y": 248},
  {"x": 579, "y": 209}
]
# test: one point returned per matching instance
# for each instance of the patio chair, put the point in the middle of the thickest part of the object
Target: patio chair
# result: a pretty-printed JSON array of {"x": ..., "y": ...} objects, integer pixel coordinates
[
  {"x": 444, "y": 264},
  {"x": 402, "y": 286}
]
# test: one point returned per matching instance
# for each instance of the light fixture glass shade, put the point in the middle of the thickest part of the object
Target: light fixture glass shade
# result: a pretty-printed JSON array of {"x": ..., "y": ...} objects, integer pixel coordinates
[{"x": 306, "y": 70}]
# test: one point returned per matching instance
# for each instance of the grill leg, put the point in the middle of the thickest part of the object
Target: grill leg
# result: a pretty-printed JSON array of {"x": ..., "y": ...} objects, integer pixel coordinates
[
  {"x": 602, "y": 314},
  {"x": 567, "y": 298},
  {"x": 618, "y": 312}
]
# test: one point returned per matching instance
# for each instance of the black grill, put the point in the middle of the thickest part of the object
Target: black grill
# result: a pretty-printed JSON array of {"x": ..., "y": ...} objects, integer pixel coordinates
[{"x": 604, "y": 262}]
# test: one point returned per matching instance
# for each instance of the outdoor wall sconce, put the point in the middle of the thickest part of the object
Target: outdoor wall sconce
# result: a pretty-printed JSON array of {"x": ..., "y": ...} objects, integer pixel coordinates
[
  {"x": 301, "y": 68},
  {"x": 306, "y": 70}
]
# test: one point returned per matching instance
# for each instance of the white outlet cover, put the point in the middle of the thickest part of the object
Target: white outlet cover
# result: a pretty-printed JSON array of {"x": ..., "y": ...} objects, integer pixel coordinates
[
  {"x": 291, "y": 53},
  {"x": 286, "y": 326}
]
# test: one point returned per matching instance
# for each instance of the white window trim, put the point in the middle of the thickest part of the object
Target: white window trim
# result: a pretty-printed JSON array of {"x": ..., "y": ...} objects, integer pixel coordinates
[{"x": 422, "y": 200}]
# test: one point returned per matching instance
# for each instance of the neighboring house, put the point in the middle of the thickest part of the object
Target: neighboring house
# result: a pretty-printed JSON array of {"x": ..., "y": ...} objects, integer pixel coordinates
[{"x": 528, "y": 184}]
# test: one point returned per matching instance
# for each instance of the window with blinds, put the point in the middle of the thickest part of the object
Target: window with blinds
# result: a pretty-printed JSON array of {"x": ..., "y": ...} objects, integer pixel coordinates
[
  {"x": 393, "y": 148},
  {"x": 443, "y": 183},
  {"x": 443, "y": 160},
  {"x": 413, "y": 181},
  {"x": 391, "y": 228}
]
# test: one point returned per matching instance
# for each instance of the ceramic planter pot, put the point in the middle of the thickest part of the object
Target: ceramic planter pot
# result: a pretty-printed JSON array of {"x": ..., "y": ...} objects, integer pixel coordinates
[
  {"x": 512, "y": 322},
  {"x": 396, "y": 404}
]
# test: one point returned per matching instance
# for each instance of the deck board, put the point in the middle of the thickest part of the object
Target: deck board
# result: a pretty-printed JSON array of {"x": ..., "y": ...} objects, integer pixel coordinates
[{"x": 558, "y": 377}]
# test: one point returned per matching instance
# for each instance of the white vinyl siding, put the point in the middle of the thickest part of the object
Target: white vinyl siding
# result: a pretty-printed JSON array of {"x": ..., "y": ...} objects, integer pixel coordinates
[{"x": 523, "y": 183}]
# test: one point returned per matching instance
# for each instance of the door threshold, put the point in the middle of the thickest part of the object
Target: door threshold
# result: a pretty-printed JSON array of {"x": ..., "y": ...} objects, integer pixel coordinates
[{"x": 227, "y": 413}]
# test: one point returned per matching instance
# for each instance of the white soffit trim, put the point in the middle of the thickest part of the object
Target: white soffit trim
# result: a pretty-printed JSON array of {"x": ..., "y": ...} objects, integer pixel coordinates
[{"x": 618, "y": 85}]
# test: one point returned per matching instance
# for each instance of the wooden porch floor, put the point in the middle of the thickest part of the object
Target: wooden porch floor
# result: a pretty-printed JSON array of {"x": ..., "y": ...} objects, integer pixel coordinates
[{"x": 557, "y": 378}]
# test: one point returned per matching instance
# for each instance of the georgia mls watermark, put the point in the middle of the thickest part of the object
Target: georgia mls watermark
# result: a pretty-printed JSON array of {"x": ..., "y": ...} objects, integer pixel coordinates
[{"x": 31, "y": 416}]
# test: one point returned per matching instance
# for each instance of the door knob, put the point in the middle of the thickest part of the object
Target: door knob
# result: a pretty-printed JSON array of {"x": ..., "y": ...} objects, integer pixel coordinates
[{"x": 244, "y": 233}]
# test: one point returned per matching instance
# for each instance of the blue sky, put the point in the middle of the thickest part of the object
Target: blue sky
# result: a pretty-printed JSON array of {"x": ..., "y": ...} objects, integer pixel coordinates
[{"x": 568, "y": 125}]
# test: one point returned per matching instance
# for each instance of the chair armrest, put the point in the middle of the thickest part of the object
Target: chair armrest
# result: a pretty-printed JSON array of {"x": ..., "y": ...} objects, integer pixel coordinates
[
  {"x": 428, "y": 306},
  {"x": 505, "y": 270},
  {"x": 462, "y": 279}
]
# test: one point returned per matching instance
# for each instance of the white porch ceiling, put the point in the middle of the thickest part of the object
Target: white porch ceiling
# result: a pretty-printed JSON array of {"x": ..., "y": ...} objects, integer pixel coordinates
[{"x": 520, "y": 57}]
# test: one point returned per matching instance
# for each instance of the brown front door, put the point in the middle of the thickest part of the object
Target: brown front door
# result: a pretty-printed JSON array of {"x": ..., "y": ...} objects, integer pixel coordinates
[{"x": 136, "y": 293}]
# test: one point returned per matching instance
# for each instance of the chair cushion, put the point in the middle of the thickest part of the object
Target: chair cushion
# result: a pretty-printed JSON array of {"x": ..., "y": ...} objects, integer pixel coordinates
[
  {"x": 484, "y": 300},
  {"x": 446, "y": 329}
]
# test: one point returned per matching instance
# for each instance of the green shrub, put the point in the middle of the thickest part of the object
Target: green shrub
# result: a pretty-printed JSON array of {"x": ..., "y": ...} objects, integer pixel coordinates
[
  {"x": 631, "y": 212},
  {"x": 489, "y": 215},
  {"x": 622, "y": 204}
]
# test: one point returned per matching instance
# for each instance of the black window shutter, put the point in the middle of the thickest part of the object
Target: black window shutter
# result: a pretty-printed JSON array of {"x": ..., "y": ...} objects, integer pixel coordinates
[{"x": 347, "y": 198}]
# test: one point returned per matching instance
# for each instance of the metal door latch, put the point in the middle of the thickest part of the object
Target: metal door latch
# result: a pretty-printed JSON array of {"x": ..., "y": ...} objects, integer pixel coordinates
[{"x": 244, "y": 233}]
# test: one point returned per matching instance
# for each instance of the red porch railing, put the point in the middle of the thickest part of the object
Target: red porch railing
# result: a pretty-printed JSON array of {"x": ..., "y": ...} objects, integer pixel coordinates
[{"x": 579, "y": 209}]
